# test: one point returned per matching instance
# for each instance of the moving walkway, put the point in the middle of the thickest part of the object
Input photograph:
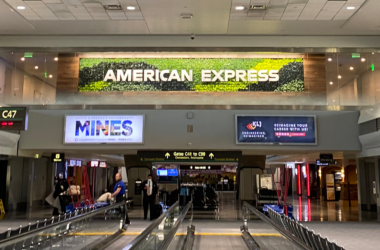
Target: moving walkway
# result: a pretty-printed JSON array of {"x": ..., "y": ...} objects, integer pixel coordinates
[{"x": 104, "y": 228}]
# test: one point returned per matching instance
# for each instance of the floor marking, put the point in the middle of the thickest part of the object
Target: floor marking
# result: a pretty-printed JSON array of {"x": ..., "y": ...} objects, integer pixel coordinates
[{"x": 177, "y": 234}]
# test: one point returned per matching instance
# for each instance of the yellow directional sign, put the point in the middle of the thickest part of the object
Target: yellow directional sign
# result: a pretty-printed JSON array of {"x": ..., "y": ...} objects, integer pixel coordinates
[
  {"x": 189, "y": 156},
  {"x": 167, "y": 155},
  {"x": 2, "y": 211}
]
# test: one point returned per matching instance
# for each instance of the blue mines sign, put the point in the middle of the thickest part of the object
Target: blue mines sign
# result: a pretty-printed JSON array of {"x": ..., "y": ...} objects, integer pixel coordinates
[{"x": 92, "y": 129}]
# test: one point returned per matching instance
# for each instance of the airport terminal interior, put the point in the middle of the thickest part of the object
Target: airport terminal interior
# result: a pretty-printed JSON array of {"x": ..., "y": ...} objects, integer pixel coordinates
[{"x": 189, "y": 125}]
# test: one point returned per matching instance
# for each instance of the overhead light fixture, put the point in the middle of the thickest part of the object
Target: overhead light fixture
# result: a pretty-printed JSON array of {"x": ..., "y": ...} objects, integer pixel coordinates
[
  {"x": 351, "y": 68},
  {"x": 21, "y": 7},
  {"x": 331, "y": 83},
  {"x": 55, "y": 58},
  {"x": 258, "y": 7},
  {"x": 50, "y": 76},
  {"x": 239, "y": 8},
  {"x": 36, "y": 67},
  {"x": 131, "y": 7},
  {"x": 330, "y": 59},
  {"x": 186, "y": 16},
  {"x": 22, "y": 58},
  {"x": 339, "y": 77},
  {"x": 112, "y": 7},
  {"x": 350, "y": 7},
  {"x": 363, "y": 59}
]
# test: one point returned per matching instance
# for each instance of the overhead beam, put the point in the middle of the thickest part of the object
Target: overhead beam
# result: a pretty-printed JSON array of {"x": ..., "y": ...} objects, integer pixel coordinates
[{"x": 299, "y": 44}]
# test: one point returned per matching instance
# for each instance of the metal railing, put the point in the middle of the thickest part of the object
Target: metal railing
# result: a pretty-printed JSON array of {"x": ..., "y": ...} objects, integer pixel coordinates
[
  {"x": 161, "y": 232},
  {"x": 288, "y": 235},
  {"x": 145, "y": 234},
  {"x": 168, "y": 239},
  {"x": 307, "y": 236},
  {"x": 56, "y": 227}
]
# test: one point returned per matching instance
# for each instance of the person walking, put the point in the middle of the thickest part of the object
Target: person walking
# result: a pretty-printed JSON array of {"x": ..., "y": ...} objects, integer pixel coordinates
[
  {"x": 61, "y": 186},
  {"x": 149, "y": 191},
  {"x": 118, "y": 194}
]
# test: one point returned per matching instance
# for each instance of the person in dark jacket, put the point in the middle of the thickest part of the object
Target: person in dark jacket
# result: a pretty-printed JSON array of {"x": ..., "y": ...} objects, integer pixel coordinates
[
  {"x": 150, "y": 189},
  {"x": 61, "y": 186}
]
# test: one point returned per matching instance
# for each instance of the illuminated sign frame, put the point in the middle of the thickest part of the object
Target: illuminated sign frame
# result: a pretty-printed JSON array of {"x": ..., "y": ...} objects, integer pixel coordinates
[
  {"x": 57, "y": 157},
  {"x": 67, "y": 140},
  {"x": 13, "y": 118},
  {"x": 275, "y": 143},
  {"x": 189, "y": 156}
]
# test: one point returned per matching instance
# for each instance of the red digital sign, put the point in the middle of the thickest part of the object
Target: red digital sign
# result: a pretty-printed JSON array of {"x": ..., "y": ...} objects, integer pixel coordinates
[{"x": 7, "y": 124}]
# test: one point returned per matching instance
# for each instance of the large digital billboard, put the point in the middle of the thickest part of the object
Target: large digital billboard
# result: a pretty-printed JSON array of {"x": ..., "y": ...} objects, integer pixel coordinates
[
  {"x": 191, "y": 74},
  {"x": 108, "y": 129},
  {"x": 262, "y": 129}
]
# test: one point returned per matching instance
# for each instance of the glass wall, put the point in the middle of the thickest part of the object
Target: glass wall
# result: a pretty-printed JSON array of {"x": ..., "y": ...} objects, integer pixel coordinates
[{"x": 339, "y": 79}]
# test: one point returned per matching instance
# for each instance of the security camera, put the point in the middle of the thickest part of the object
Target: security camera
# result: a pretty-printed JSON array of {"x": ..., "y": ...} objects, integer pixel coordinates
[{"x": 192, "y": 37}]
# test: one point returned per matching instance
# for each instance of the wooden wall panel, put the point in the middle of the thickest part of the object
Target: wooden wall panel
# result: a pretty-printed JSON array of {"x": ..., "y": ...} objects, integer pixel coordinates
[
  {"x": 315, "y": 73},
  {"x": 67, "y": 73}
]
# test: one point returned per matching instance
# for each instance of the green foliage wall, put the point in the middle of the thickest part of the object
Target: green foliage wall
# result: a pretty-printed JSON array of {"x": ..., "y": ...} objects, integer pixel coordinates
[{"x": 92, "y": 72}]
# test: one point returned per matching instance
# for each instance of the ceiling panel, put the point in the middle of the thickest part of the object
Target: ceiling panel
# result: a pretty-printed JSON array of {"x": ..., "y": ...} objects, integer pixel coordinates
[
  {"x": 72, "y": 2},
  {"x": 116, "y": 14},
  {"x": 209, "y": 17},
  {"x": 65, "y": 16},
  {"x": 163, "y": 16},
  {"x": 82, "y": 16}
]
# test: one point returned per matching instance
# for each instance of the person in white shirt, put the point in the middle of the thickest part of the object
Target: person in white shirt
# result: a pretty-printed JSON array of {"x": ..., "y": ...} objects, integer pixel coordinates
[{"x": 149, "y": 192}]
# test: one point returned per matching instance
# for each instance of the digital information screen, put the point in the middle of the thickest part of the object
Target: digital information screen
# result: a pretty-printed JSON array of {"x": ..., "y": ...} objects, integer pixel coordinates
[
  {"x": 172, "y": 172},
  {"x": 104, "y": 129},
  {"x": 261, "y": 129},
  {"x": 13, "y": 118},
  {"x": 162, "y": 172}
]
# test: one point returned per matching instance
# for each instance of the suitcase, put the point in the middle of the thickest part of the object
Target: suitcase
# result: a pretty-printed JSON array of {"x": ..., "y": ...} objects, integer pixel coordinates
[
  {"x": 156, "y": 211},
  {"x": 101, "y": 204}
]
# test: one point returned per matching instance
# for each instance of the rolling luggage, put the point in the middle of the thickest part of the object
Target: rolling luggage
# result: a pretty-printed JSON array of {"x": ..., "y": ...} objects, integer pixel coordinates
[{"x": 156, "y": 211}]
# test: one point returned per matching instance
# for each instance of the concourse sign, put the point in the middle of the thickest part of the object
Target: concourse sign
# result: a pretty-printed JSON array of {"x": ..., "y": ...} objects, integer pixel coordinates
[
  {"x": 13, "y": 118},
  {"x": 189, "y": 156}
]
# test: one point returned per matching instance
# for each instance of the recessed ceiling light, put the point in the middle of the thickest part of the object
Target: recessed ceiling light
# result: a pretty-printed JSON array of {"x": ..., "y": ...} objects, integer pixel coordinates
[
  {"x": 239, "y": 8},
  {"x": 330, "y": 59},
  {"x": 22, "y": 58},
  {"x": 331, "y": 83},
  {"x": 363, "y": 59},
  {"x": 131, "y": 7},
  {"x": 36, "y": 67},
  {"x": 350, "y": 7},
  {"x": 339, "y": 77},
  {"x": 351, "y": 68},
  {"x": 21, "y": 7},
  {"x": 50, "y": 76},
  {"x": 55, "y": 58}
]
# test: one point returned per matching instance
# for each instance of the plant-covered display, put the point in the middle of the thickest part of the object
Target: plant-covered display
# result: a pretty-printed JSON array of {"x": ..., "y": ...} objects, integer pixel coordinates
[
  {"x": 293, "y": 86},
  {"x": 92, "y": 73}
]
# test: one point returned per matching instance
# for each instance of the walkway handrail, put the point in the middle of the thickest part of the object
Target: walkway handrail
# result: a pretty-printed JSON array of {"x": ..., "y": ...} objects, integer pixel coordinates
[
  {"x": 68, "y": 221},
  {"x": 281, "y": 230},
  {"x": 136, "y": 242},
  {"x": 313, "y": 240},
  {"x": 168, "y": 239}
]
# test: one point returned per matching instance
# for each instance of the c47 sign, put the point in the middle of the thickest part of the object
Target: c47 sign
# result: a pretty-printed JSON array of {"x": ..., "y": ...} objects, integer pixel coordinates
[
  {"x": 13, "y": 118},
  {"x": 9, "y": 114}
]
